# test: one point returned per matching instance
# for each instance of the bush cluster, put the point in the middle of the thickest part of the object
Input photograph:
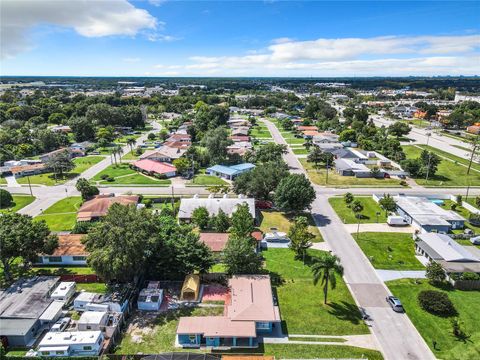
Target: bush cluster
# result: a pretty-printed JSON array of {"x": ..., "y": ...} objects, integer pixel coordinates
[{"x": 436, "y": 302}]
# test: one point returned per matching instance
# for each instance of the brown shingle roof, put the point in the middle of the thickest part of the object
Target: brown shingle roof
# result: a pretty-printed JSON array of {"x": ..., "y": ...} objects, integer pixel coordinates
[
  {"x": 99, "y": 206},
  {"x": 70, "y": 244},
  {"x": 22, "y": 168},
  {"x": 215, "y": 241}
]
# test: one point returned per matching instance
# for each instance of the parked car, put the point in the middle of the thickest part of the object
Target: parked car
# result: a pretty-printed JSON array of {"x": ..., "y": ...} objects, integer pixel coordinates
[
  {"x": 60, "y": 325},
  {"x": 395, "y": 304}
]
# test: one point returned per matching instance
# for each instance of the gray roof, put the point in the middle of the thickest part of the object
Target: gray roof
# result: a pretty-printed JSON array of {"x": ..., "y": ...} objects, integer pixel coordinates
[
  {"x": 344, "y": 154},
  {"x": 16, "y": 327},
  {"x": 426, "y": 211},
  {"x": 213, "y": 205},
  {"x": 347, "y": 164},
  {"x": 443, "y": 247},
  {"x": 27, "y": 299}
]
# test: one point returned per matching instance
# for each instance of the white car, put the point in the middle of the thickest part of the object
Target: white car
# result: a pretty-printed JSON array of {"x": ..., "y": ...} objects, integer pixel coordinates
[{"x": 60, "y": 325}]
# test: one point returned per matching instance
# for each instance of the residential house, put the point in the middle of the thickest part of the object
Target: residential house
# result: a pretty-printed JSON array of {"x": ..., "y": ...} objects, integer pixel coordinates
[
  {"x": 453, "y": 257},
  {"x": 347, "y": 167},
  {"x": 155, "y": 168},
  {"x": 164, "y": 154},
  {"x": 229, "y": 172},
  {"x": 70, "y": 251},
  {"x": 46, "y": 157},
  {"x": 474, "y": 129},
  {"x": 302, "y": 128},
  {"x": 427, "y": 216},
  {"x": 98, "y": 207},
  {"x": 250, "y": 312},
  {"x": 240, "y": 138},
  {"x": 28, "y": 170},
  {"x": 213, "y": 205},
  {"x": 240, "y": 131},
  {"x": 180, "y": 138},
  {"x": 419, "y": 114},
  {"x": 310, "y": 134},
  {"x": 21, "y": 307},
  {"x": 92, "y": 320},
  {"x": 325, "y": 137},
  {"x": 78, "y": 343}
]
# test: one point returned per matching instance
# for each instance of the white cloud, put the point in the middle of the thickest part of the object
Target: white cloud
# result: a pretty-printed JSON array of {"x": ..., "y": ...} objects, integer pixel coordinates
[
  {"x": 162, "y": 37},
  {"x": 157, "y": 2},
  {"x": 388, "y": 55},
  {"x": 131, "y": 60},
  {"x": 89, "y": 18}
]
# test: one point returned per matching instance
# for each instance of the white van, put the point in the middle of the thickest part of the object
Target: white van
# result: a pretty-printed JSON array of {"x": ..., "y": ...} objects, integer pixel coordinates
[{"x": 395, "y": 220}]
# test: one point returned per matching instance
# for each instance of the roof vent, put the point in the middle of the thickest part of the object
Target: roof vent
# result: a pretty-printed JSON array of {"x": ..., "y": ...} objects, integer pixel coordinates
[{"x": 210, "y": 196}]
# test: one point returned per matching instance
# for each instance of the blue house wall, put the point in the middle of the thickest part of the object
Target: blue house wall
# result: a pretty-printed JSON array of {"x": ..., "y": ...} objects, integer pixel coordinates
[
  {"x": 185, "y": 339},
  {"x": 264, "y": 327}
]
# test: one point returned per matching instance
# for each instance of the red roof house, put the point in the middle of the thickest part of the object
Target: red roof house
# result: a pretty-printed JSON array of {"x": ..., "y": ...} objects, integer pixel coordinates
[{"x": 153, "y": 167}]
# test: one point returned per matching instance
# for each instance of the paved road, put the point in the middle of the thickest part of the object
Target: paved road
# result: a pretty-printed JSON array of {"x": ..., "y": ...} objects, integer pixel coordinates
[{"x": 395, "y": 334}]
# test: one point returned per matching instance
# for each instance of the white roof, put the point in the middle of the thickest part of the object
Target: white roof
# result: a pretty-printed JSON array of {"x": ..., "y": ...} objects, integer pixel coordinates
[
  {"x": 92, "y": 317},
  {"x": 63, "y": 288},
  {"x": 213, "y": 205},
  {"x": 447, "y": 248},
  {"x": 52, "y": 311},
  {"x": 86, "y": 296},
  {"x": 275, "y": 235},
  {"x": 425, "y": 211},
  {"x": 69, "y": 338}
]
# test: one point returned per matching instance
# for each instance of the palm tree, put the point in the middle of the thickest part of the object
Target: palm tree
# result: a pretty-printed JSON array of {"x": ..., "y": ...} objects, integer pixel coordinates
[
  {"x": 119, "y": 151},
  {"x": 131, "y": 142},
  {"x": 325, "y": 268}
]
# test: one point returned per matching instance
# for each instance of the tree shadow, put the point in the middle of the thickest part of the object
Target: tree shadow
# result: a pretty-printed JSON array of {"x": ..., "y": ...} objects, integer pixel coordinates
[
  {"x": 345, "y": 311},
  {"x": 321, "y": 220}
]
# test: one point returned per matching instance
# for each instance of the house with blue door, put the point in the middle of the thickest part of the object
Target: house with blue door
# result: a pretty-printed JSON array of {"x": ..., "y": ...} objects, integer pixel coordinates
[
  {"x": 229, "y": 172},
  {"x": 249, "y": 312}
]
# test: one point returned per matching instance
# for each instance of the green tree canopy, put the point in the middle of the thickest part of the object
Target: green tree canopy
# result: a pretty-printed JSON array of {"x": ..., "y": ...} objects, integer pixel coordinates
[
  {"x": 324, "y": 269},
  {"x": 300, "y": 237},
  {"x": 294, "y": 193},
  {"x": 242, "y": 222},
  {"x": 240, "y": 257},
  {"x": 201, "y": 217}
]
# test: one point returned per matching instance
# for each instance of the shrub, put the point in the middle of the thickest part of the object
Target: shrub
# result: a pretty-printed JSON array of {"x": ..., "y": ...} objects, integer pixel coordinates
[
  {"x": 148, "y": 203},
  {"x": 403, "y": 183},
  {"x": 436, "y": 302},
  {"x": 6, "y": 199},
  {"x": 470, "y": 276},
  {"x": 104, "y": 176},
  {"x": 110, "y": 179},
  {"x": 453, "y": 206},
  {"x": 82, "y": 227}
]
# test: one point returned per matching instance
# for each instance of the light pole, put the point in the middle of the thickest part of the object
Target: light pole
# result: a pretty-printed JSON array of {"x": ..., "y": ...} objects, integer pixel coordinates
[{"x": 428, "y": 137}]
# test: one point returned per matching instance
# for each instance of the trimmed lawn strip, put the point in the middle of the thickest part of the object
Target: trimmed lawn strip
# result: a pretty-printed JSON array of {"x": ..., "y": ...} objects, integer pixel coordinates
[
  {"x": 370, "y": 210},
  {"x": 19, "y": 202},
  {"x": 301, "y": 303},
  {"x": 282, "y": 221},
  {"x": 206, "y": 180},
  {"x": 124, "y": 175},
  {"x": 62, "y": 215},
  {"x": 449, "y": 173},
  {"x": 300, "y": 151},
  {"x": 389, "y": 251},
  {"x": 319, "y": 176},
  {"x": 315, "y": 339},
  {"x": 161, "y": 337},
  {"x": 439, "y": 329},
  {"x": 99, "y": 288}
]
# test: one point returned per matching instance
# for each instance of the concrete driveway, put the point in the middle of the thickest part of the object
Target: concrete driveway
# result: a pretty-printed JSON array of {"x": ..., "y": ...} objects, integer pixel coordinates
[{"x": 380, "y": 227}]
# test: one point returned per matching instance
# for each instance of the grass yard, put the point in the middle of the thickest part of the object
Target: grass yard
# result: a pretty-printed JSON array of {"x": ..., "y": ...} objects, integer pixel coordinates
[
  {"x": 2, "y": 180},
  {"x": 449, "y": 173},
  {"x": 389, "y": 251},
  {"x": 319, "y": 177},
  {"x": 439, "y": 329},
  {"x": 301, "y": 303},
  {"x": 19, "y": 201},
  {"x": 122, "y": 174},
  {"x": 300, "y": 151},
  {"x": 55, "y": 271},
  {"x": 99, "y": 288},
  {"x": 62, "y": 215},
  {"x": 130, "y": 156},
  {"x": 84, "y": 163},
  {"x": 281, "y": 221},
  {"x": 206, "y": 180},
  {"x": 370, "y": 209},
  {"x": 158, "y": 334},
  {"x": 218, "y": 268},
  {"x": 294, "y": 141},
  {"x": 260, "y": 131}
]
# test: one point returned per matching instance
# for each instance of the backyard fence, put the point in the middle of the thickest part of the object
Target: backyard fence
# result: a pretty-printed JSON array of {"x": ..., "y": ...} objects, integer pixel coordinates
[{"x": 90, "y": 278}]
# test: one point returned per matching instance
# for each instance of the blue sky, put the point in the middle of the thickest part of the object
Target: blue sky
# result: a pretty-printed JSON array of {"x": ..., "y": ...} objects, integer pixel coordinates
[{"x": 239, "y": 38}]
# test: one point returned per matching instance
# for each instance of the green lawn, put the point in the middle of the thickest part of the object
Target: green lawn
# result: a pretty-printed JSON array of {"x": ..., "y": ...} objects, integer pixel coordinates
[
  {"x": 207, "y": 180},
  {"x": 81, "y": 164},
  {"x": 130, "y": 156},
  {"x": 52, "y": 270},
  {"x": 282, "y": 221},
  {"x": 100, "y": 288},
  {"x": 260, "y": 131},
  {"x": 124, "y": 175},
  {"x": 447, "y": 204},
  {"x": 294, "y": 141},
  {"x": 389, "y": 251},
  {"x": 19, "y": 201},
  {"x": 319, "y": 177},
  {"x": 449, "y": 173},
  {"x": 300, "y": 151},
  {"x": 301, "y": 303},
  {"x": 439, "y": 329},
  {"x": 2, "y": 180},
  {"x": 160, "y": 335},
  {"x": 370, "y": 210},
  {"x": 62, "y": 215}
]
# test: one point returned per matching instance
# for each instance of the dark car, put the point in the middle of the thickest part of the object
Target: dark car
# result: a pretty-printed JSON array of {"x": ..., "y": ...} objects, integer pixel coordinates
[{"x": 395, "y": 304}]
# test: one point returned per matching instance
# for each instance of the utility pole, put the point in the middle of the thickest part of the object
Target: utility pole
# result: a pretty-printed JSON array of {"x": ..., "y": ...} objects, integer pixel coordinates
[
  {"x": 326, "y": 179},
  {"x": 428, "y": 166},
  {"x": 29, "y": 185}
]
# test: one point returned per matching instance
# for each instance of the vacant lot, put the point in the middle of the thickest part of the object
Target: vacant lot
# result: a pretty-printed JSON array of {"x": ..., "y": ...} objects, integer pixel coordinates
[
  {"x": 452, "y": 170},
  {"x": 62, "y": 215},
  {"x": 301, "y": 303},
  {"x": 369, "y": 213},
  {"x": 439, "y": 329},
  {"x": 122, "y": 174},
  {"x": 282, "y": 221},
  {"x": 319, "y": 177},
  {"x": 389, "y": 251},
  {"x": 19, "y": 201},
  {"x": 206, "y": 180}
]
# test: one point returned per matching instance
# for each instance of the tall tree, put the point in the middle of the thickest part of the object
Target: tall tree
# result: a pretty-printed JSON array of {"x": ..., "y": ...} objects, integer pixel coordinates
[
  {"x": 388, "y": 203},
  {"x": 242, "y": 222},
  {"x": 220, "y": 222},
  {"x": 216, "y": 142},
  {"x": 60, "y": 163},
  {"x": 324, "y": 269},
  {"x": 240, "y": 257},
  {"x": 82, "y": 129},
  {"x": 86, "y": 189},
  {"x": 300, "y": 237},
  {"x": 201, "y": 217},
  {"x": 294, "y": 193},
  {"x": 21, "y": 237}
]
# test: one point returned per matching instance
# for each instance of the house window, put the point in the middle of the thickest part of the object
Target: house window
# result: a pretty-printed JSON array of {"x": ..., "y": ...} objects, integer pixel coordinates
[
  {"x": 87, "y": 348},
  {"x": 89, "y": 327},
  {"x": 54, "y": 259},
  {"x": 263, "y": 325},
  {"x": 79, "y": 258},
  {"x": 46, "y": 353},
  {"x": 192, "y": 338},
  {"x": 59, "y": 352}
]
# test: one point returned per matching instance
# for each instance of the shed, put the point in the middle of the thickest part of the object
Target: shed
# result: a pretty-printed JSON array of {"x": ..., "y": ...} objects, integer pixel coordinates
[{"x": 190, "y": 288}]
